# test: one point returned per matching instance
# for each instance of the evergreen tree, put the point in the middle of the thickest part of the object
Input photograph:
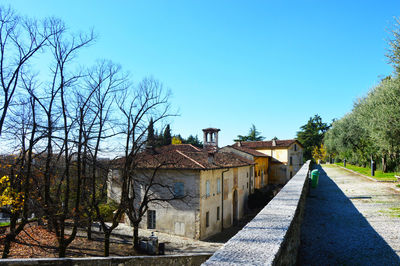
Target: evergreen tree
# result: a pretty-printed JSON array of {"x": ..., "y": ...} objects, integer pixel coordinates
[
  {"x": 167, "y": 138},
  {"x": 150, "y": 134},
  {"x": 254, "y": 135},
  {"x": 311, "y": 135},
  {"x": 194, "y": 141}
]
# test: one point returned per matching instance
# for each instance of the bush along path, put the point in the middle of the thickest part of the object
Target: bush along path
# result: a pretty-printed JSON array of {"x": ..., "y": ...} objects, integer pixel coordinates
[{"x": 350, "y": 220}]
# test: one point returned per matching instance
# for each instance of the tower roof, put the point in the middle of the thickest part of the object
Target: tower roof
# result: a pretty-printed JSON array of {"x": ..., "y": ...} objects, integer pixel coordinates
[{"x": 213, "y": 129}]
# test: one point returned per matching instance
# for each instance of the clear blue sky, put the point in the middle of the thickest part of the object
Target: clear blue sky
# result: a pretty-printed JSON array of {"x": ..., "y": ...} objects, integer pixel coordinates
[{"x": 230, "y": 64}]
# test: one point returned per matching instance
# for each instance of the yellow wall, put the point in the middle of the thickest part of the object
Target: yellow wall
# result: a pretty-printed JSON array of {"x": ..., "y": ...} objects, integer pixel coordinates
[
  {"x": 214, "y": 200},
  {"x": 280, "y": 170},
  {"x": 260, "y": 168},
  {"x": 297, "y": 159},
  {"x": 279, "y": 154}
]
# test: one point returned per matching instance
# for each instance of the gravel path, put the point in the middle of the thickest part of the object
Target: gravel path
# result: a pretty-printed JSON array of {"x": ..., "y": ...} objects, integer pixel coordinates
[
  {"x": 173, "y": 244},
  {"x": 349, "y": 220}
]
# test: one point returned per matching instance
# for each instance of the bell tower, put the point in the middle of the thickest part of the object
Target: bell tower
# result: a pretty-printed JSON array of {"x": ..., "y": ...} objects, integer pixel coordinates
[{"x": 210, "y": 138}]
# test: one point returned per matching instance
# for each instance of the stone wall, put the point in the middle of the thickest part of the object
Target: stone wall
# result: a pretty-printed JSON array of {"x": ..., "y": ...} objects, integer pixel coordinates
[
  {"x": 188, "y": 259},
  {"x": 273, "y": 236}
]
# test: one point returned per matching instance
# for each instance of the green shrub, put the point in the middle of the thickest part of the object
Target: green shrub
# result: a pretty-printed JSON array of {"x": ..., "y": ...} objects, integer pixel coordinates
[{"x": 107, "y": 209}]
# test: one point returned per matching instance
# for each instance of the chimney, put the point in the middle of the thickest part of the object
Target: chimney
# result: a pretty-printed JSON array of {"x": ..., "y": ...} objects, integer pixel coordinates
[
  {"x": 239, "y": 143},
  {"x": 274, "y": 142},
  {"x": 150, "y": 149},
  {"x": 210, "y": 157}
]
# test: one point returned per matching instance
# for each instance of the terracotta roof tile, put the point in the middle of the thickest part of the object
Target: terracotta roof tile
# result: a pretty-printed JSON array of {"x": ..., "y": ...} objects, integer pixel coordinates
[
  {"x": 250, "y": 151},
  {"x": 189, "y": 157},
  {"x": 266, "y": 144}
]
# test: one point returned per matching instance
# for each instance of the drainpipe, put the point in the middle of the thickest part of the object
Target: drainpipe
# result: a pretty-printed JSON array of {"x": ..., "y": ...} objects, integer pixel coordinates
[{"x": 222, "y": 199}]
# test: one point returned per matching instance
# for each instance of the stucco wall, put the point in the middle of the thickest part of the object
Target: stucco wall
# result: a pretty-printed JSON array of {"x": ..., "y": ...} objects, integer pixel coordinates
[
  {"x": 280, "y": 155},
  {"x": 114, "y": 185},
  {"x": 280, "y": 169},
  {"x": 297, "y": 159},
  {"x": 273, "y": 236},
  {"x": 277, "y": 173},
  {"x": 261, "y": 168},
  {"x": 211, "y": 203},
  {"x": 179, "y": 217}
]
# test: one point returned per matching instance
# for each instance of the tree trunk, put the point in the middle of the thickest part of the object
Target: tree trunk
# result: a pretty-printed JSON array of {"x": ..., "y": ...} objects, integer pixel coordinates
[
  {"x": 7, "y": 245},
  {"x": 384, "y": 164},
  {"x": 107, "y": 243},
  {"x": 136, "y": 236},
  {"x": 10, "y": 237},
  {"x": 89, "y": 228},
  {"x": 62, "y": 249}
]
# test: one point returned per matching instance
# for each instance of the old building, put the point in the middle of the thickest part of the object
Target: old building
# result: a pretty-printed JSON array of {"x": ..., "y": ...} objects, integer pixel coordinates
[
  {"x": 258, "y": 176},
  {"x": 210, "y": 187},
  {"x": 286, "y": 157}
]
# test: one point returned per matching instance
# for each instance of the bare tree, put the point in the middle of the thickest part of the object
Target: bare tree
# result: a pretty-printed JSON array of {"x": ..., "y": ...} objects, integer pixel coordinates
[
  {"x": 150, "y": 102},
  {"x": 106, "y": 79},
  {"x": 148, "y": 187},
  {"x": 20, "y": 40},
  {"x": 61, "y": 123},
  {"x": 20, "y": 175}
]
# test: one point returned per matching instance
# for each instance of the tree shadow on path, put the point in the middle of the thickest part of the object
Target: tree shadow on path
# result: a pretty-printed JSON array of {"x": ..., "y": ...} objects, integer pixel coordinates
[{"x": 334, "y": 232}]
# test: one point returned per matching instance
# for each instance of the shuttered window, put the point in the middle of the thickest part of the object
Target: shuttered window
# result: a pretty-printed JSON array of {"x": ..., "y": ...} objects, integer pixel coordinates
[
  {"x": 207, "y": 188},
  {"x": 151, "y": 219},
  {"x": 179, "y": 189}
]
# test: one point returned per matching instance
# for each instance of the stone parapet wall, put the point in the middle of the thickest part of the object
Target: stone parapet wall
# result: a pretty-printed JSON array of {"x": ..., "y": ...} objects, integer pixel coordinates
[
  {"x": 273, "y": 236},
  {"x": 187, "y": 259}
]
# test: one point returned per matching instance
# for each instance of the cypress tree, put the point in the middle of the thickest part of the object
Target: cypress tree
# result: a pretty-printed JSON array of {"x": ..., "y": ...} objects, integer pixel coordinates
[
  {"x": 150, "y": 134},
  {"x": 167, "y": 139}
]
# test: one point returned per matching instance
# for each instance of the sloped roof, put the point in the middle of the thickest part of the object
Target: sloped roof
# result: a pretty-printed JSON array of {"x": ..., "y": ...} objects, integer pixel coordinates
[
  {"x": 186, "y": 156},
  {"x": 250, "y": 151},
  {"x": 266, "y": 144}
]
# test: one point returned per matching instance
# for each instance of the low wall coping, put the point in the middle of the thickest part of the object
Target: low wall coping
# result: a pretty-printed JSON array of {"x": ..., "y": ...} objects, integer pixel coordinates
[
  {"x": 260, "y": 242},
  {"x": 115, "y": 260}
]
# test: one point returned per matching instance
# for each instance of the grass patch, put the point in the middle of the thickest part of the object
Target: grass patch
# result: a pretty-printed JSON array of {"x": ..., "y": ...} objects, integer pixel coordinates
[
  {"x": 4, "y": 223},
  {"x": 329, "y": 165},
  {"x": 394, "y": 212},
  {"x": 379, "y": 175}
]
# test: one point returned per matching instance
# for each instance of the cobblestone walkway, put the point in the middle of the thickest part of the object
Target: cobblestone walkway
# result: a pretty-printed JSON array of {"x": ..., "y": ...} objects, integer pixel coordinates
[{"x": 350, "y": 220}]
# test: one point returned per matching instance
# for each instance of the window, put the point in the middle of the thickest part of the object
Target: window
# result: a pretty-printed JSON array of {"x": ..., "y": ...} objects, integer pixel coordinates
[
  {"x": 217, "y": 213},
  {"x": 218, "y": 186},
  {"x": 207, "y": 219},
  {"x": 178, "y": 189},
  {"x": 207, "y": 188},
  {"x": 291, "y": 160},
  {"x": 295, "y": 147},
  {"x": 151, "y": 219}
]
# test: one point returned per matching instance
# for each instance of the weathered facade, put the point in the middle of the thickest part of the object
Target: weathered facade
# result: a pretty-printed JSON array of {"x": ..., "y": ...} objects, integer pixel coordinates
[
  {"x": 259, "y": 174},
  {"x": 211, "y": 188},
  {"x": 286, "y": 157}
]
